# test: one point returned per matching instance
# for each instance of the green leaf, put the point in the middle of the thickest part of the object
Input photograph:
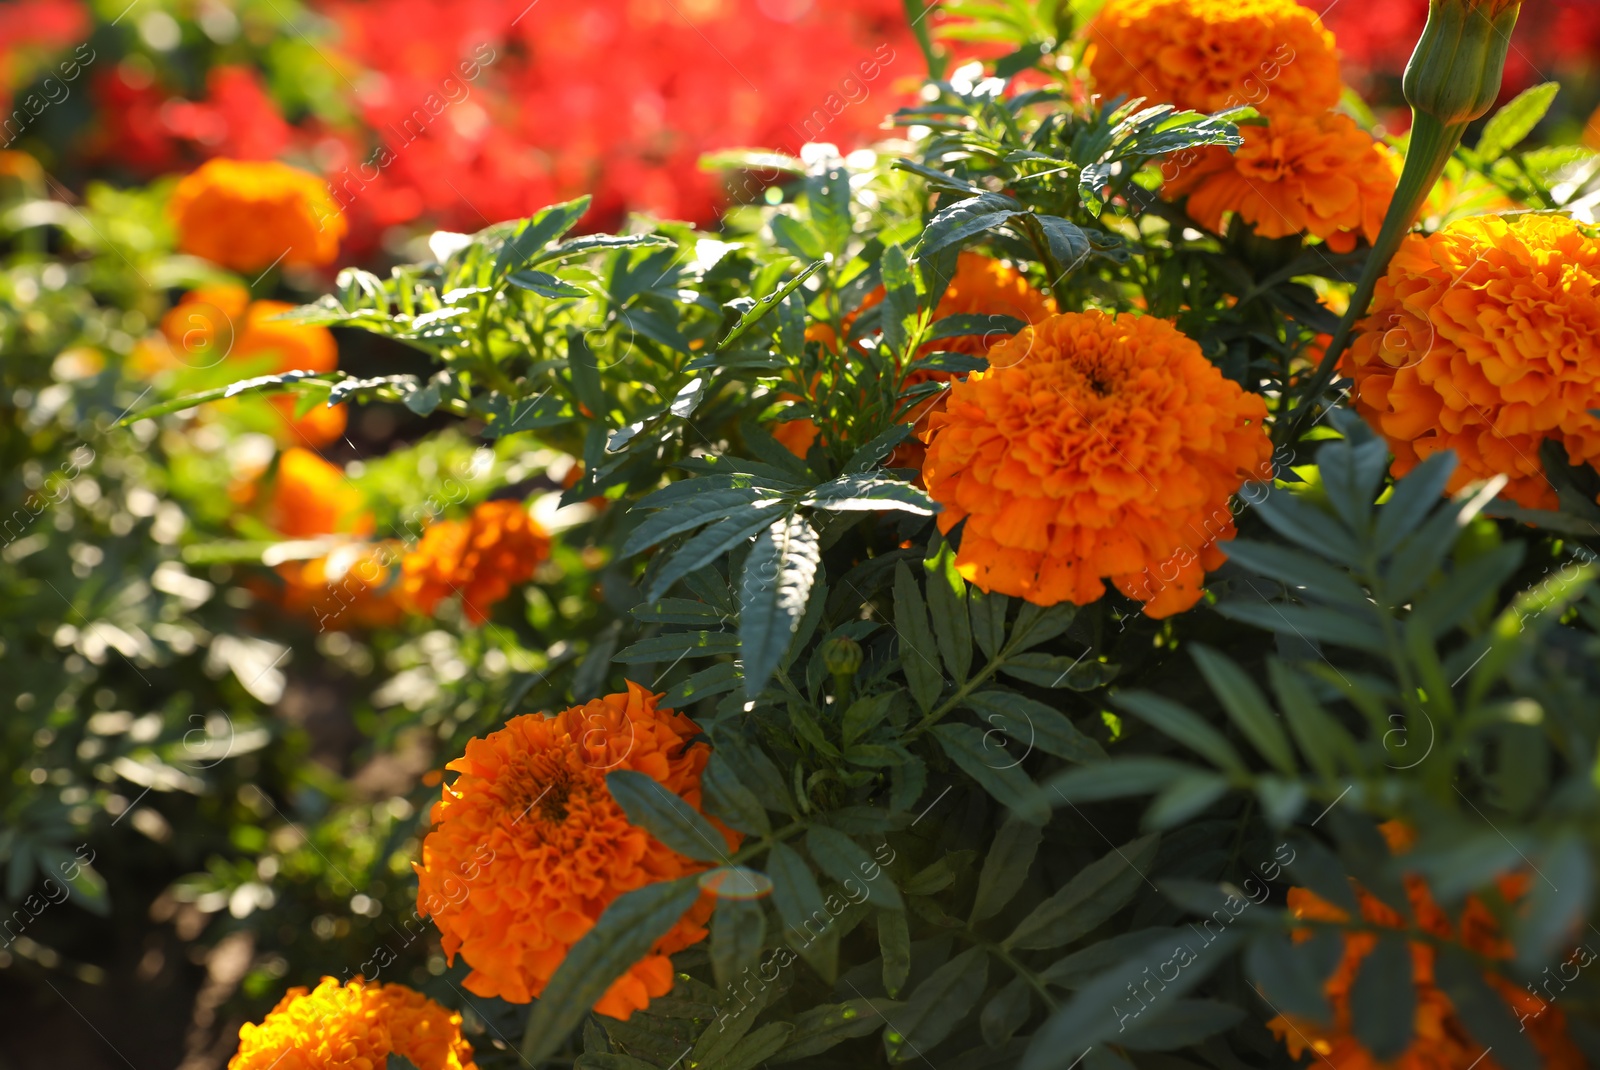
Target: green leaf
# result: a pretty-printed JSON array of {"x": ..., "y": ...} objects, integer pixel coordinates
[
  {"x": 1035, "y": 725},
  {"x": 718, "y": 679},
  {"x": 778, "y": 576},
  {"x": 870, "y": 492},
  {"x": 1038, "y": 624},
  {"x": 1247, "y": 708},
  {"x": 1007, "y": 1012},
  {"x": 538, "y": 231},
  {"x": 1115, "y": 779},
  {"x": 260, "y": 384},
  {"x": 1300, "y": 572},
  {"x": 1413, "y": 499},
  {"x": 938, "y": 1005},
  {"x": 1384, "y": 997},
  {"x": 738, "y": 930},
  {"x": 1184, "y": 799},
  {"x": 585, "y": 374},
  {"x": 811, "y": 929},
  {"x": 966, "y": 325},
  {"x": 994, "y": 770},
  {"x": 1483, "y": 1011},
  {"x": 624, "y": 934},
  {"x": 865, "y": 714},
  {"x": 820, "y": 1028},
  {"x": 758, "y": 1047},
  {"x": 1180, "y": 1023},
  {"x": 965, "y": 220},
  {"x": 709, "y": 545},
  {"x": 845, "y": 861},
  {"x": 894, "y": 944},
  {"x": 1287, "y": 975},
  {"x": 1306, "y": 525},
  {"x": 1005, "y": 867},
  {"x": 730, "y": 800},
  {"x": 900, "y": 303},
  {"x": 1309, "y": 623},
  {"x": 1557, "y": 904},
  {"x": 1093, "y": 895},
  {"x": 947, "y": 602},
  {"x": 759, "y": 309},
  {"x": 1053, "y": 670},
  {"x": 919, "y": 656},
  {"x": 1322, "y": 740},
  {"x": 1507, "y": 128},
  {"x": 678, "y": 645},
  {"x": 546, "y": 285},
  {"x": 595, "y": 243},
  {"x": 666, "y": 816},
  {"x": 1104, "y": 1010},
  {"x": 988, "y": 614},
  {"x": 1185, "y": 727}
]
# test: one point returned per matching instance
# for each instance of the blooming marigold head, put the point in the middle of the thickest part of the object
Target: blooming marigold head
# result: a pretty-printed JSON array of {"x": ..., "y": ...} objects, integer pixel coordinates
[
  {"x": 1096, "y": 447},
  {"x": 1484, "y": 338},
  {"x": 313, "y": 497},
  {"x": 1317, "y": 174},
  {"x": 480, "y": 558},
  {"x": 248, "y": 215},
  {"x": 353, "y": 1027},
  {"x": 1209, "y": 55},
  {"x": 528, "y": 847}
]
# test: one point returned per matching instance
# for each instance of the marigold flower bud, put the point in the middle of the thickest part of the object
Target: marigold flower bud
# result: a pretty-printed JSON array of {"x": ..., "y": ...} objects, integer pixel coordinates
[
  {"x": 842, "y": 656},
  {"x": 1454, "y": 74}
]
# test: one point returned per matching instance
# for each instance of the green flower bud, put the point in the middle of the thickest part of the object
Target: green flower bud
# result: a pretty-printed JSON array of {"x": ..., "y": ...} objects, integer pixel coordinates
[
  {"x": 1454, "y": 75},
  {"x": 842, "y": 656}
]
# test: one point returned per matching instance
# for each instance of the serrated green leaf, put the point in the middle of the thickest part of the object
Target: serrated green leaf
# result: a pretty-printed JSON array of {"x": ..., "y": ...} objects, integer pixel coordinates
[
  {"x": 1093, "y": 895},
  {"x": 811, "y": 929},
  {"x": 937, "y": 1005},
  {"x": 1507, "y": 127},
  {"x": 730, "y": 800},
  {"x": 1383, "y": 998},
  {"x": 738, "y": 932},
  {"x": 666, "y": 816},
  {"x": 1005, "y": 867},
  {"x": 623, "y": 935},
  {"x": 1034, "y": 725},
  {"x": 919, "y": 656},
  {"x": 994, "y": 770},
  {"x": 1247, "y": 708},
  {"x": 1183, "y": 726},
  {"x": 894, "y": 944},
  {"x": 847, "y": 862},
  {"x": 820, "y": 1028},
  {"x": 777, "y": 580},
  {"x": 947, "y": 602}
]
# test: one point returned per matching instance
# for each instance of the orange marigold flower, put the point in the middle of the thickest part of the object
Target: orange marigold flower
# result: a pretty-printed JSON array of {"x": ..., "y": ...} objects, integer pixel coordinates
[
  {"x": 528, "y": 847},
  {"x": 480, "y": 558},
  {"x": 1319, "y": 174},
  {"x": 1440, "y": 1041},
  {"x": 1210, "y": 55},
  {"x": 1484, "y": 338},
  {"x": 1095, "y": 447},
  {"x": 353, "y": 1027},
  {"x": 247, "y": 215},
  {"x": 313, "y": 497}
]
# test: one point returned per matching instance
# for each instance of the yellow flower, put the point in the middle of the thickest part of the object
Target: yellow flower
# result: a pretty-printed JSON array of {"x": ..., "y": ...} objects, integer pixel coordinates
[
  {"x": 353, "y": 1027},
  {"x": 249, "y": 215},
  {"x": 1484, "y": 338},
  {"x": 1210, "y": 55}
]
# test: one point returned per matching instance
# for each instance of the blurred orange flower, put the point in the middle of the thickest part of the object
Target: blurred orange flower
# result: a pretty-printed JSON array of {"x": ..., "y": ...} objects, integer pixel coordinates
[
  {"x": 1318, "y": 174},
  {"x": 480, "y": 558},
  {"x": 248, "y": 215},
  {"x": 1095, "y": 447},
  {"x": 528, "y": 847},
  {"x": 981, "y": 285},
  {"x": 1483, "y": 339},
  {"x": 312, "y": 497},
  {"x": 353, "y": 587},
  {"x": 1210, "y": 55},
  {"x": 1441, "y": 1040},
  {"x": 353, "y": 1027}
]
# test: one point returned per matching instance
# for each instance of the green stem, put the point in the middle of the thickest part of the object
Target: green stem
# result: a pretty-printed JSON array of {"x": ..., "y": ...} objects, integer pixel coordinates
[{"x": 1432, "y": 143}]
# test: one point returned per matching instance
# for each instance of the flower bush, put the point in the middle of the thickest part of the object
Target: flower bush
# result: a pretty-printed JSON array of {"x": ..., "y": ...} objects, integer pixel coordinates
[{"x": 1102, "y": 577}]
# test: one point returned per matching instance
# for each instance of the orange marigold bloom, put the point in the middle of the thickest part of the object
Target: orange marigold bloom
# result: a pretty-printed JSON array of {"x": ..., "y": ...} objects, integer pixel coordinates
[
  {"x": 1209, "y": 55},
  {"x": 528, "y": 847},
  {"x": 313, "y": 497},
  {"x": 353, "y": 1027},
  {"x": 1096, "y": 446},
  {"x": 1319, "y": 174},
  {"x": 480, "y": 558},
  {"x": 1440, "y": 1041},
  {"x": 1484, "y": 338},
  {"x": 211, "y": 324},
  {"x": 247, "y": 215}
]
